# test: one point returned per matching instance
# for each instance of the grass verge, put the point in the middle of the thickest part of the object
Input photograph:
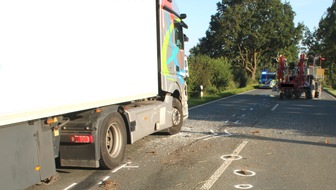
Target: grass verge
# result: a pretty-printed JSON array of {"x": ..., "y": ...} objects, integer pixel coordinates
[
  {"x": 211, "y": 97},
  {"x": 330, "y": 90}
]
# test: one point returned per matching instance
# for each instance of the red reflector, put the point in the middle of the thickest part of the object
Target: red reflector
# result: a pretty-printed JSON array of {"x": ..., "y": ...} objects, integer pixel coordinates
[{"x": 81, "y": 138}]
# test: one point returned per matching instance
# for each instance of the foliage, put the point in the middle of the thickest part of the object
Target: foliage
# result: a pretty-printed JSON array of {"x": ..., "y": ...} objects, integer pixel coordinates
[
  {"x": 323, "y": 41},
  {"x": 250, "y": 31},
  {"x": 213, "y": 74}
]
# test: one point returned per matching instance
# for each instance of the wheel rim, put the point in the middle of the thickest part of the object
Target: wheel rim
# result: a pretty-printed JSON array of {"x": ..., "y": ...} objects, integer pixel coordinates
[
  {"x": 176, "y": 116},
  {"x": 113, "y": 140}
]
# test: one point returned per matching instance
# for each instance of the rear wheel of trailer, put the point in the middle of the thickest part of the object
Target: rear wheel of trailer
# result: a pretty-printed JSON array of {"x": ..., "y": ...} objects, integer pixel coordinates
[{"x": 113, "y": 141}]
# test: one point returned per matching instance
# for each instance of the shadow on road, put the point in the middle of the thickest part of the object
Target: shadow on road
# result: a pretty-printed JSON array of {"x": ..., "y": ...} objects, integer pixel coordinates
[{"x": 315, "y": 118}]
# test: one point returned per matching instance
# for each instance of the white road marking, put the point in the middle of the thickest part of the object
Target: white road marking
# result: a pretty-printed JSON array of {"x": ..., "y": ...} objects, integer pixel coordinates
[
  {"x": 215, "y": 135},
  {"x": 118, "y": 168},
  {"x": 106, "y": 178},
  {"x": 215, "y": 176},
  {"x": 70, "y": 186},
  {"x": 331, "y": 96},
  {"x": 227, "y": 133},
  {"x": 203, "y": 137},
  {"x": 275, "y": 107},
  {"x": 219, "y": 100},
  {"x": 127, "y": 165},
  {"x": 244, "y": 186},
  {"x": 231, "y": 157},
  {"x": 212, "y": 137}
]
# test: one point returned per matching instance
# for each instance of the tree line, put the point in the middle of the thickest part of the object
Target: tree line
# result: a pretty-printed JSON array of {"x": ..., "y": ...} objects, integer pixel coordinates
[
  {"x": 322, "y": 42},
  {"x": 246, "y": 36}
]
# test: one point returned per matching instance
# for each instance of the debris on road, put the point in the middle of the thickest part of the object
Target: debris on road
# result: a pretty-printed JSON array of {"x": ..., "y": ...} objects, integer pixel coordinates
[
  {"x": 245, "y": 173},
  {"x": 255, "y": 132},
  {"x": 151, "y": 152},
  {"x": 109, "y": 184}
]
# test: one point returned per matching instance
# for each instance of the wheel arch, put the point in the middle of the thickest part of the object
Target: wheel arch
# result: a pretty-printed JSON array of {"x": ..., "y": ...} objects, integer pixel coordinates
[
  {"x": 175, "y": 90},
  {"x": 107, "y": 111}
]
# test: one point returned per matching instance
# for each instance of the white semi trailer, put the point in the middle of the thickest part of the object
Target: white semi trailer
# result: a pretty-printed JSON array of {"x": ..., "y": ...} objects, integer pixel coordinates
[{"x": 81, "y": 79}]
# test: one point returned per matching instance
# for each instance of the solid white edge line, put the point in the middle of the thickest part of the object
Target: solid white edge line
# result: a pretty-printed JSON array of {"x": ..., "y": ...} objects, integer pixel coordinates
[
  {"x": 275, "y": 107},
  {"x": 330, "y": 94},
  {"x": 215, "y": 176},
  {"x": 218, "y": 100},
  {"x": 70, "y": 186}
]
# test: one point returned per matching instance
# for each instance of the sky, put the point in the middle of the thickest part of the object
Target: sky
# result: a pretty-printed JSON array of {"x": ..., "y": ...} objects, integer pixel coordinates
[{"x": 199, "y": 12}]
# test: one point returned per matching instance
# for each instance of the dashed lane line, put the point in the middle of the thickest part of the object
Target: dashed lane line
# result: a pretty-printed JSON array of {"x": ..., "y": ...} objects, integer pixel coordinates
[
  {"x": 275, "y": 107},
  {"x": 70, "y": 186},
  {"x": 215, "y": 176}
]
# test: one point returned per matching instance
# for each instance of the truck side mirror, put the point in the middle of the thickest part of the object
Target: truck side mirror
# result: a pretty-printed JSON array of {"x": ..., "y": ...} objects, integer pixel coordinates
[
  {"x": 185, "y": 37},
  {"x": 183, "y": 16}
]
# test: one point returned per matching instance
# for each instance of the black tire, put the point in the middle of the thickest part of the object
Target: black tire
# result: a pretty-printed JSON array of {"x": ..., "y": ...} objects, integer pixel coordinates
[
  {"x": 309, "y": 94},
  {"x": 297, "y": 94},
  {"x": 113, "y": 141},
  {"x": 177, "y": 118},
  {"x": 288, "y": 94},
  {"x": 282, "y": 95}
]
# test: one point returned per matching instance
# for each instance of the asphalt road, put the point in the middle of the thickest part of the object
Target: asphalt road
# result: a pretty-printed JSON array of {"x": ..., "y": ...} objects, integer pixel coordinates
[{"x": 248, "y": 141}]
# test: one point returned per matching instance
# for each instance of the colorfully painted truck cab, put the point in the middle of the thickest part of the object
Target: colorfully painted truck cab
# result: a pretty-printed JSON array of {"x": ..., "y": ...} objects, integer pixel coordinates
[{"x": 173, "y": 62}]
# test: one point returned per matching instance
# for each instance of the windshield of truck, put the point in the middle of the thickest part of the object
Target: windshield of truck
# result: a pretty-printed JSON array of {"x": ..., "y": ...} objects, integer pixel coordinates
[{"x": 268, "y": 76}]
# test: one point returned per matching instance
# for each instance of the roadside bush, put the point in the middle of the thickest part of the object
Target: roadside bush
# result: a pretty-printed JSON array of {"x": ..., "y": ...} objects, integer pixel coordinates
[
  {"x": 222, "y": 78},
  {"x": 211, "y": 90},
  {"x": 199, "y": 74},
  {"x": 213, "y": 74}
]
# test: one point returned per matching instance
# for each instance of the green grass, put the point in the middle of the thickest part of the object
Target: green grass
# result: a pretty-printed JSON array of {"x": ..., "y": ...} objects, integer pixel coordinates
[
  {"x": 211, "y": 97},
  {"x": 330, "y": 90}
]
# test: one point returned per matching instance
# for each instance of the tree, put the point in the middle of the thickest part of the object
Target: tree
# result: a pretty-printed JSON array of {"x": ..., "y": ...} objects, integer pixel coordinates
[
  {"x": 327, "y": 43},
  {"x": 246, "y": 30}
]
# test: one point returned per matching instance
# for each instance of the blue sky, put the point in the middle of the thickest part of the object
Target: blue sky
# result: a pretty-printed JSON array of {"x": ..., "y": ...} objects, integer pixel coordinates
[{"x": 199, "y": 13}]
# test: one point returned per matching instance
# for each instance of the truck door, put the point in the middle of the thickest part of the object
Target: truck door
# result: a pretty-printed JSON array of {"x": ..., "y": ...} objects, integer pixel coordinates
[
  {"x": 179, "y": 43},
  {"x": 172, "y": 47}
]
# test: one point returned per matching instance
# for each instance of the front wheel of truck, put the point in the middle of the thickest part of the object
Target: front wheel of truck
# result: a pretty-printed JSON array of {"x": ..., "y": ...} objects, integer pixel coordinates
[
  {"x": 113, "y": 141},
  {"x": 177, "y": 118}
]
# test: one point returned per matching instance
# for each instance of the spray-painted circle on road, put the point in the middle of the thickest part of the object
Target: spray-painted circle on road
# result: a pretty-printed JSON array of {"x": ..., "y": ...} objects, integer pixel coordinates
[
  {"x": 231, "y": 157},
  {"x": 245, "y": 173},
  {"x": 244, "y": 186}
]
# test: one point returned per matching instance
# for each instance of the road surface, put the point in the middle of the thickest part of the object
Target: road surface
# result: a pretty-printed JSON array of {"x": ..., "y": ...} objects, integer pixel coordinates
[{"x": 249, "y": 141}]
